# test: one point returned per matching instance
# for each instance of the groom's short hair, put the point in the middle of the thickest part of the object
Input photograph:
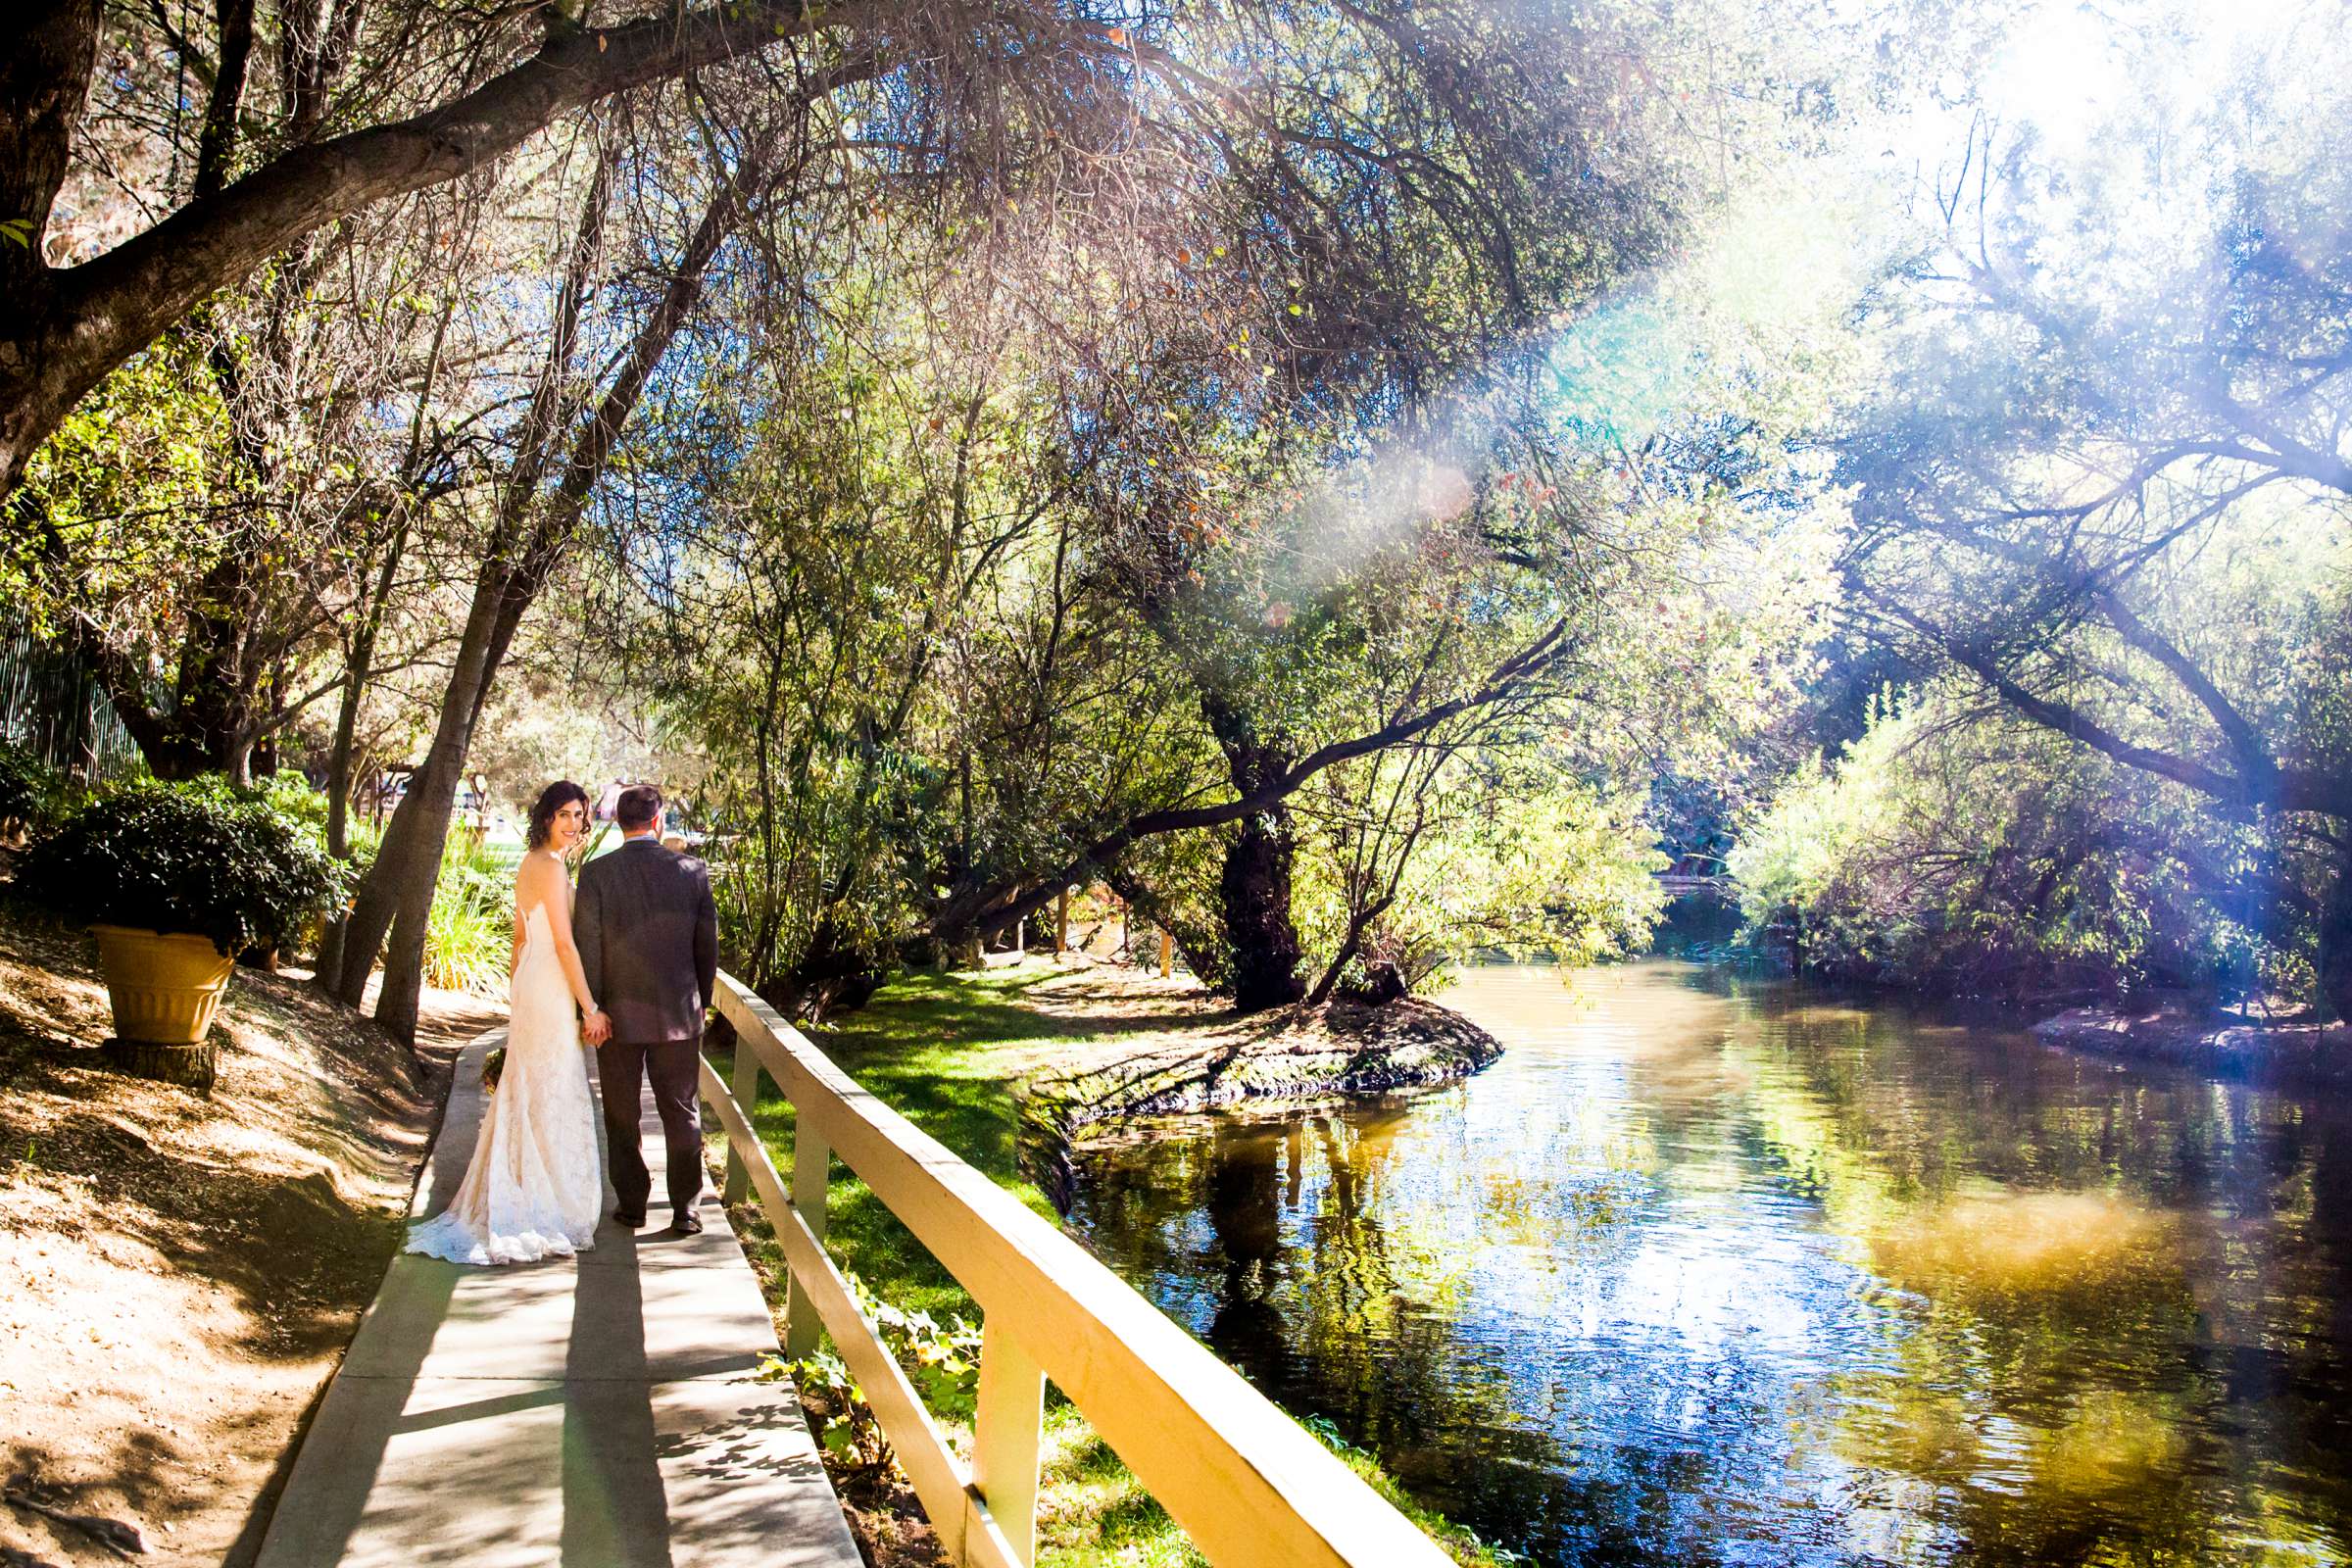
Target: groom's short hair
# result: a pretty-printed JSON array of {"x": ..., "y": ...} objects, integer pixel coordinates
[{"x": 637, "y": 807}]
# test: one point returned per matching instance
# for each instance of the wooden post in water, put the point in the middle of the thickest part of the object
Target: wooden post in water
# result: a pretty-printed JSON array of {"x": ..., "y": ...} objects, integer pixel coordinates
[{"x": 1167, "y": 953}]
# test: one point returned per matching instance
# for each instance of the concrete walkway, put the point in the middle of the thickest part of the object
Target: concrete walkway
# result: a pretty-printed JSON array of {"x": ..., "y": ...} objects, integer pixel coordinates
[{"x": 601, "y": 1412}]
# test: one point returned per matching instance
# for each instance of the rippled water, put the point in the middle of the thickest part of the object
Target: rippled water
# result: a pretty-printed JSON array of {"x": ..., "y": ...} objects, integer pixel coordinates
[{"x": 1712, "y": 1271}]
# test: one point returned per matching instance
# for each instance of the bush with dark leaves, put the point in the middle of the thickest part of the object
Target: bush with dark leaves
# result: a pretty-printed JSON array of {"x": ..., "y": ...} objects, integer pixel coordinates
[
  {"x": 19, "y": 786},
  {"x": 195, "y": 858}
]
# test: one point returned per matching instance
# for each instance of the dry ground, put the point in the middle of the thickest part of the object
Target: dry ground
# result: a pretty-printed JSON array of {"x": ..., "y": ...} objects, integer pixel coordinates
[{"x": 180, "y": 1273}]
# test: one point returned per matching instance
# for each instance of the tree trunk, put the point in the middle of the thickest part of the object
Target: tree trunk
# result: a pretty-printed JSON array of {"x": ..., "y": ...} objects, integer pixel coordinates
[
  {"x": 341, "y": 754},
  {"x": 214, "y": 722},
  {"x": 533, "y": 532},
  {"x": 991, "y": 906},
  {"x": 1256, "y": 891},
  {"x": 207, "y": 723},
  {"x": 196, "y": 1067},
  {"x": 839, "y": 971},
  {"x": 1358, "y": 923},
  {"x": 214, "y": 708},
  {"x": 398, "y": 892},
  {"x": 359, "y": 669},
  {"x": 44, "y": 76},
  {"x": 216, "y": 690},
  {"x": 396, "y": 898},
  {"x": 2336, "y": 943}
]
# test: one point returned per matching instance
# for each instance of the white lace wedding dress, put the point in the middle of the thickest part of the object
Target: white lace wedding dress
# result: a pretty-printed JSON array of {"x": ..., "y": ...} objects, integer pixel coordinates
[{"x": 535, "y": 1185}]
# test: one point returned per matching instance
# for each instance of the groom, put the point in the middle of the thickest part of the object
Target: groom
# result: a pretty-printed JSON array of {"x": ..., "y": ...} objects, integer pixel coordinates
[{"x": 648, "y": 935}]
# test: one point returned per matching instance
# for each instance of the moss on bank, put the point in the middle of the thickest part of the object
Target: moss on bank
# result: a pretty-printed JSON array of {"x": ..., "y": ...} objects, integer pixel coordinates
[{"x": 956, "y": 1055}]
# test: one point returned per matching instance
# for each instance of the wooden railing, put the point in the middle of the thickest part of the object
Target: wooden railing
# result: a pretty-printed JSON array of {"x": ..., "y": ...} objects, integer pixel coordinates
[{"x": 1248, "y": 1484}]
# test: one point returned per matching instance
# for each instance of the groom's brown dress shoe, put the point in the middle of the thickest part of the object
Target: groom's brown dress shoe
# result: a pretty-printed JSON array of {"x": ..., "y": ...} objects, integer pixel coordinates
[
  {"x": 687, "y": 1224},
  {"x": 626, "y": 1221}
]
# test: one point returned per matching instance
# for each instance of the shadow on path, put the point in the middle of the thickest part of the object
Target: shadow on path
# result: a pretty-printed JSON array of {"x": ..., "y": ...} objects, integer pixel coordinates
[{"x": 603, "y": 1410}]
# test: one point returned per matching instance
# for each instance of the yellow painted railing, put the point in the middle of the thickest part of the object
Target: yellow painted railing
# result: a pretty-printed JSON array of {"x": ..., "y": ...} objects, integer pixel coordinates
[{"x": 1251, "y": 1487}]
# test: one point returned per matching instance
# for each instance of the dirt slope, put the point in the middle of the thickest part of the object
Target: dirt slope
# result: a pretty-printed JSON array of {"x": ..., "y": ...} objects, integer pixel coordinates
[{"x": 180, "y": 1273}]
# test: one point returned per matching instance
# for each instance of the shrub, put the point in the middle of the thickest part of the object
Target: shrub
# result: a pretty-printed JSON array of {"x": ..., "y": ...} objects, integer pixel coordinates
[
  {"x": 1566, "y": 874},
  {"x": 296, "y": 799},
  {"x": 1972, "y": 852},
  {"x": 468, "y": 932},
  {"x": 942, "y": 1361},
  {"x": 19, "y": 786},
  {"x": 197, "y": 858},
  {"x": 33, "y": 794}
]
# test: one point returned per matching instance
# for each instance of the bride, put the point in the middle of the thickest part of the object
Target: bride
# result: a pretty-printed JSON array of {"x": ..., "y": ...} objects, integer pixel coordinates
[{"x": 534, "y": 1187}]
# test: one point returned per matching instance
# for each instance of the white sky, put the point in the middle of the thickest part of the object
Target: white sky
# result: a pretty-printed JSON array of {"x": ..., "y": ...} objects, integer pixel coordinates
[{"x": 2070, "y": 66}]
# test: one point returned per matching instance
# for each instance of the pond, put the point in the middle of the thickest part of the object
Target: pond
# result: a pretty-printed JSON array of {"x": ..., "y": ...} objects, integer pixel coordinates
[{"x": 1714, "y": 1270}]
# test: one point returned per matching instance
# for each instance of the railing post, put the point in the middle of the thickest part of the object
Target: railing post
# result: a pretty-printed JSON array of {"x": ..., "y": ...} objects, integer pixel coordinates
[
  {"x": 811, "y": 1166},
  {"x": 1011, "y": 1411},
  {"x": 747, "y": 1096}
]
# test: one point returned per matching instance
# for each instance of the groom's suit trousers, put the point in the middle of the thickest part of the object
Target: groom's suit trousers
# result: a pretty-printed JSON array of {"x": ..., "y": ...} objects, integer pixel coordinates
[{"x": 620, "y": 1066}]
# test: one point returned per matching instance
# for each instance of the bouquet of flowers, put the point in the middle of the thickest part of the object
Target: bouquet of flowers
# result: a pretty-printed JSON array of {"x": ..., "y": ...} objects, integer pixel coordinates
[{"x": 492, "y": 1065}]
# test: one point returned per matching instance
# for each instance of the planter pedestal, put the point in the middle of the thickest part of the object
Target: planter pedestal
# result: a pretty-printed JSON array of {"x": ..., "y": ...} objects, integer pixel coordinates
[
  {"x": 164, "y": 988},
  {"x": 189, "y": 1067}
]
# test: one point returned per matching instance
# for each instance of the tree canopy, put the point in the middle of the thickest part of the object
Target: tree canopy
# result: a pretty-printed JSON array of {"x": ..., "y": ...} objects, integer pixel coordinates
[{"x": 1356, "y": 481}]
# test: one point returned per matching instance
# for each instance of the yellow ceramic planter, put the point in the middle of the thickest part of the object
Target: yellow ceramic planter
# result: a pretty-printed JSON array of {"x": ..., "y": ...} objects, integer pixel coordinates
[{"x": 165, "y": 986}]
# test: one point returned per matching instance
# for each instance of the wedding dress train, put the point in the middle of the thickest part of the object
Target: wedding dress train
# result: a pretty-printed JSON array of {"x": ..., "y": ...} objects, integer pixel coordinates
[{"x": 535, "y": 1185}]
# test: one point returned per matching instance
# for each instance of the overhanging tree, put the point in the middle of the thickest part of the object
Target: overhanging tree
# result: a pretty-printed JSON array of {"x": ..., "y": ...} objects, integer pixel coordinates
[
  {"x": 2115, "y": 491},
  {"x": 66, "y": 325}
]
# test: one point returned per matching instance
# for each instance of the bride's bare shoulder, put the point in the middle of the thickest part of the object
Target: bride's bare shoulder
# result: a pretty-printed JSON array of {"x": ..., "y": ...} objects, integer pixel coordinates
[{"x": 540, "y": 873}]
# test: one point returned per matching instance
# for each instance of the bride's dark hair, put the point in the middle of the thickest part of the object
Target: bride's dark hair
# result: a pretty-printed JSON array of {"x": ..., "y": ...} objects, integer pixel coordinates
[{"x": 553, "y": 799}]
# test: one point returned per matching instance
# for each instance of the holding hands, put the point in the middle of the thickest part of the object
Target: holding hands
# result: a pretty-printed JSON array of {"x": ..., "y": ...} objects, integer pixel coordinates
[{"x": 596, "y": 1027}]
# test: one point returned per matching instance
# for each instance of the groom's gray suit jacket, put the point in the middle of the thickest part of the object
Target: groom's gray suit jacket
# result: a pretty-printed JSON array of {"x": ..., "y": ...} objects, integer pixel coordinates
[{"x": 648, "y": 935}]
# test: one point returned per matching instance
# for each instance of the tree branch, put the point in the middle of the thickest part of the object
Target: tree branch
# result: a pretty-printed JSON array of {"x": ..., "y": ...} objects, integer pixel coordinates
[
  {"x": 92, "y": 317},
  {"x": 999, "y": 908},
  {"x": 2288, "y": 789}
]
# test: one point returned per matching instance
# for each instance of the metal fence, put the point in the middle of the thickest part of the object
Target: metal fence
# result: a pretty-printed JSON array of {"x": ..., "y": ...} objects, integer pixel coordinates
[{"x": 51, "y": 706}]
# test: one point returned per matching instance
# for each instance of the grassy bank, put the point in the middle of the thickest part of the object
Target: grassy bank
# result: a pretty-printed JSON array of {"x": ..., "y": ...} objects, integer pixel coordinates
[{"x": 948, "y": 1052}]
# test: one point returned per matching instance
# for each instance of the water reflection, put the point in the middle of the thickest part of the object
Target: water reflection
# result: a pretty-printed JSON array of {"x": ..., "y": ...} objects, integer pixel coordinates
[{"x": 1711, "y": 1272}]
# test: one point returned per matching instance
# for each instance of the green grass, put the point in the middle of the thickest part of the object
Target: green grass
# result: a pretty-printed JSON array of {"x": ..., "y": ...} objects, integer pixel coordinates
[{"x": 945, "y": 1051}]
